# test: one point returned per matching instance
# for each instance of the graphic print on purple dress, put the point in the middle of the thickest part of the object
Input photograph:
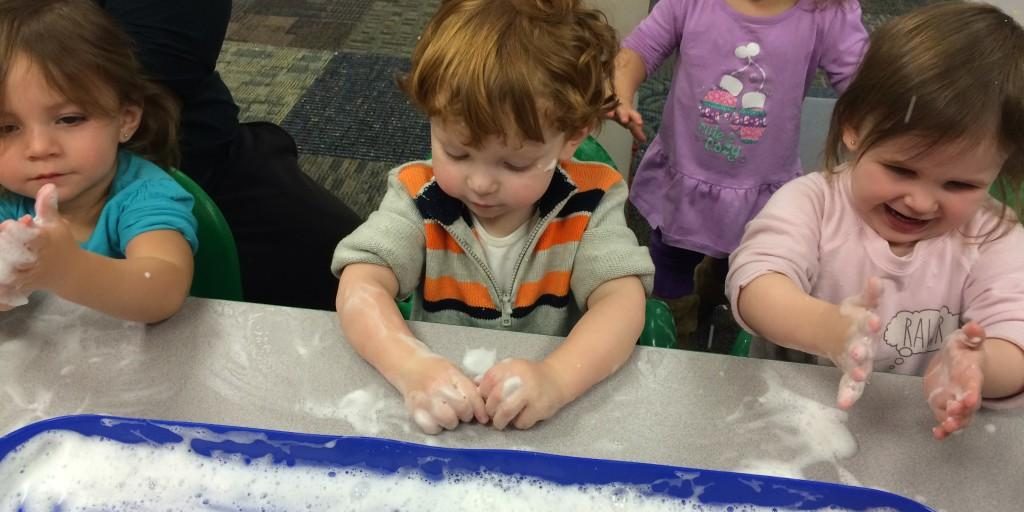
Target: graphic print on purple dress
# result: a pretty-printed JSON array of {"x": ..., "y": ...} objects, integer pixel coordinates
[{"x": 730, "y": 117}]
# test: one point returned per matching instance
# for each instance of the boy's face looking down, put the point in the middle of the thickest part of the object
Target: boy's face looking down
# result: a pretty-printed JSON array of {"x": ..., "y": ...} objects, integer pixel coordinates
[{"x": 500, "y": 181}]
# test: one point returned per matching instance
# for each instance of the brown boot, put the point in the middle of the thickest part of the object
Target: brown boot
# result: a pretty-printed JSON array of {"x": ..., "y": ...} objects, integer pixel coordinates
[
  {"x": 684, "y": 313},
  {"x": 709, "y": 286}
]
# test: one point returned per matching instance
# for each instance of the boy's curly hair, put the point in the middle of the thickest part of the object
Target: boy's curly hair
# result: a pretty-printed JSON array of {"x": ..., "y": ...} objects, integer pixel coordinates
[{"x": 531, "y": 63}]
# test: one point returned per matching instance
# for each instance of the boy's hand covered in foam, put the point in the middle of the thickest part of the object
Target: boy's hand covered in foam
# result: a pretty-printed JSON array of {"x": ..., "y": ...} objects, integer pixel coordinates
[
  {"x": 438, "y": 395},
  {"x": 521, "y": 393}
]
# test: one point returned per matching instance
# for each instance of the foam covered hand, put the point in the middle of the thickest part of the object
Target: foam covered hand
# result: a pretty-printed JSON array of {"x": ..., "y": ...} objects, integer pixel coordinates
[
  {"x": 15, "y": 254},
  {"x": 438, "y": 395},
  {"x": 53, "y": 245},
  {"x": 857, "y": 357},
  {"x": 630, "y": 119},
  {"x": 521, "y": 392},
  {"x": 954, "y": 378}
]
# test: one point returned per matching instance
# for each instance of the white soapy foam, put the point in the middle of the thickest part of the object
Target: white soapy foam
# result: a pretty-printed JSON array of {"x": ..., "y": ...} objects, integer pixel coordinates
[
  {"x": 478, "y": 360},
  {"x": 800, "y": 433},
  {"x": 370, "y": 410},
  {"x": 511, "y": 385},
  {"x": 58, "y": 470},
  {"x": 15, "y": 253}
]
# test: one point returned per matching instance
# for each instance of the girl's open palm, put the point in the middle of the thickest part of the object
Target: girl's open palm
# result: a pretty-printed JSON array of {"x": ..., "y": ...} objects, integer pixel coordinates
[
  {"x": 954, "y": 378},
  {"x": 857, "y": 358}
]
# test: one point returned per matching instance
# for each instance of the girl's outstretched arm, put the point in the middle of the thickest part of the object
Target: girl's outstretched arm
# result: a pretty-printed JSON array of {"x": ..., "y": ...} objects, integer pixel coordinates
[
  {"x": 149, "y": 285},
  {"x": 1003, "y": 369},
  {"x": 777, "y": 309},
  {"x": 848, "y": 334}
]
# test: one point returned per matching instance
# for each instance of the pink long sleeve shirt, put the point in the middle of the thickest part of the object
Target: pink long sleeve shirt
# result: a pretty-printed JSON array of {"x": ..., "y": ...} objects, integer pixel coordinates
[{"x": 810, "y": 233}]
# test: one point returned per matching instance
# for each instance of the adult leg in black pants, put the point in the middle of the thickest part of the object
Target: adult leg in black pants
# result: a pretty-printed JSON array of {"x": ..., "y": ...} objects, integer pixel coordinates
[{"x": 285, "y": 224}]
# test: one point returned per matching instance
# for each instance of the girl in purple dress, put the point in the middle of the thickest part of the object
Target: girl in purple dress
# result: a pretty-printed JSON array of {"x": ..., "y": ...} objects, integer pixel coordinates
[{"x": 730, "y": 128}]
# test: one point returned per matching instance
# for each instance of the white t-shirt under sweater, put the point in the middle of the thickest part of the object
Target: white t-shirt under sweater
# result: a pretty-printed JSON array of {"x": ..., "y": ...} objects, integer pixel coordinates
[
  {"x": 810, "y": 232},
  {"x": 502, "y": 252}
]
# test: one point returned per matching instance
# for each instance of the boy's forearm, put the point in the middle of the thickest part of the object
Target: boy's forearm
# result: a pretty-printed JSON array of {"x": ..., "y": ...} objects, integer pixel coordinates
[
  {"x": 630, "y": 72},
  {"x": 142, "y": 289},
  {"x": 777, "y": 309},
  {"x": 602, "y": 339},
  {"x": 371, "y": 321},
  {"x": 1004, "y": 369}
]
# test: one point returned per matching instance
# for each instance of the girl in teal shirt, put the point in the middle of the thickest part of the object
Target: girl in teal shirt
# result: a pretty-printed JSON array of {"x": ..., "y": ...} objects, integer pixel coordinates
[{"x": 82, "y": 138}]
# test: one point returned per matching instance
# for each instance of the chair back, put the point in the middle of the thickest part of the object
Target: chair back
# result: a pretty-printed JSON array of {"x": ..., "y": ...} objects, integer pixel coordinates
[{"x": 217, "y": 272}]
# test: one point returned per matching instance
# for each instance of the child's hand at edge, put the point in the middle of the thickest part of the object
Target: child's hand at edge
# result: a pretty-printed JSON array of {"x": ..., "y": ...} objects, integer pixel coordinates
[
  {"x": 14, "y": 234},
  {"x": 858, "y": 353},
  {"x": 438, "y": 395},
  {"x": 521, "y": 393},
  {"x": 629, "y": 118},
  {"x": 952, "y": 383}
]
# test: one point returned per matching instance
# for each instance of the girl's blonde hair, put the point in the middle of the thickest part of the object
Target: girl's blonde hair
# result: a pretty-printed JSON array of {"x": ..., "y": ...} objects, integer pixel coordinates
[
  {"x": 533, "y": 63},
  {"x": 945, "y": 73},
  {"x": 85, "y": 56}
]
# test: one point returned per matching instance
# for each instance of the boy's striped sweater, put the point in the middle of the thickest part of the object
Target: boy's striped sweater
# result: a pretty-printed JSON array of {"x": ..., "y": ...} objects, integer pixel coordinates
[{"x": 427, "y": 238}]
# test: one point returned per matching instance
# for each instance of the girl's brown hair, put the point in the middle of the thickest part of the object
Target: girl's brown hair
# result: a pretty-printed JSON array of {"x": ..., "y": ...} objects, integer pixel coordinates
[
  {"x": 945, "y": 73},
  {"x": 85, "y": 56},
  {"x": 533, "y": 63}
]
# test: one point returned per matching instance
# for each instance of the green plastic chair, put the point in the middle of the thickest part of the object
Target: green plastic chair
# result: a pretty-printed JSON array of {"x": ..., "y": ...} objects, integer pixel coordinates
[
  {"x": 659, "y": 326},
  {"x": 1002, "y": 190},
  {"x": 741, "y": 347},
  {"x": 217, "y": 272},
  {"x": 593, "y": 151}
]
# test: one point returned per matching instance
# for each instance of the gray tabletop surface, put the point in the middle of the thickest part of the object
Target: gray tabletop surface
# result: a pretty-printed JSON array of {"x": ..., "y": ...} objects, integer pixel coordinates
[{"x": 290, "y": 369}]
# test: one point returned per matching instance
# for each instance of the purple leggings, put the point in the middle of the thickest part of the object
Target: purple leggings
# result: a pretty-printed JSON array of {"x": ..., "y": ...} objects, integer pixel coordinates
[{"x": 673, "y": 268}]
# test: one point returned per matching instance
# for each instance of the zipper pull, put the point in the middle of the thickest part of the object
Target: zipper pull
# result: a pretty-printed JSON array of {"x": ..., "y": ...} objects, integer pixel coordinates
[{"x": 506, "y": 310}]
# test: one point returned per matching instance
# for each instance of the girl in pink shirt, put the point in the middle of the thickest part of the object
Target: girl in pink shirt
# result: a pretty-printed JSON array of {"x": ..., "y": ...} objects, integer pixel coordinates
[{"x": 898, "y": 259}]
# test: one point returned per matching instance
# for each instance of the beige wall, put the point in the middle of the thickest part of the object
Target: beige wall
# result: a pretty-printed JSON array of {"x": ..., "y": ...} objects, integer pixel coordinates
[
  {"x": 623, "y": 15},
  {"x": 1014, "y": 8}
]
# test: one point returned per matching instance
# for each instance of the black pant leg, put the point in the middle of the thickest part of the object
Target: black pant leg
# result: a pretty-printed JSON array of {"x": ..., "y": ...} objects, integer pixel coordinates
[{"x": 285, "y": 224}]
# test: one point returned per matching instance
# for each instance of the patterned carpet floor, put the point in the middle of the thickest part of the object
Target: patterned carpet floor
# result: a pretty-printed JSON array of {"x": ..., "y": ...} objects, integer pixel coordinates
[{"x": 325, "y": 70}]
